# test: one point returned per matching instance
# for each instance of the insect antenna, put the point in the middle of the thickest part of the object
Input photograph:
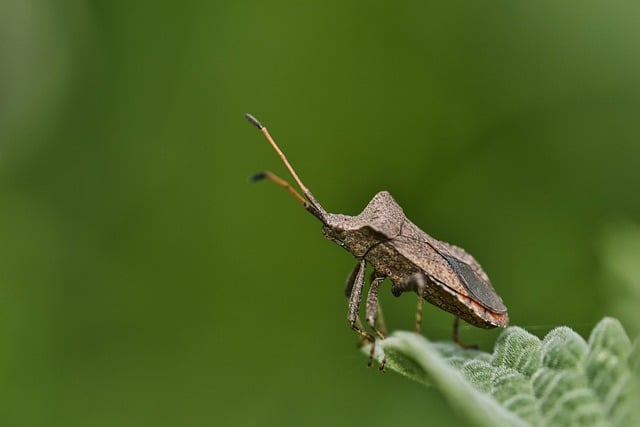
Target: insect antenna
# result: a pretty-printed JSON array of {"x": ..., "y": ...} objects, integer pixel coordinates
[
  {"x": 281, "y": 182},
  {"x": 308, "y": 201}
]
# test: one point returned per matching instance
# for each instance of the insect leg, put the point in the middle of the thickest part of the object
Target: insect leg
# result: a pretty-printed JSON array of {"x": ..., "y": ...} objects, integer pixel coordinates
[
  {"x": 456, "y": 339},
  {"x": 372, "y": 304},
  {"x": 415, "y": 283},
  {"x": 456, "y": 325},
  {"x": 348, "y": 286},
  {"x": 382, "y": 328},
  {"x": 420, "y": 291},
  {"x": 354, "y": 306},
  {"x": 381, "y": 324},
  {"x": 375, "y": 311}
]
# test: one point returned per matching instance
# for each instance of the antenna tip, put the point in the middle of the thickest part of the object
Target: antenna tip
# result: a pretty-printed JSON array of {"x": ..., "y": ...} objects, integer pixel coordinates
[
  {"x": 257, "y": 176},
  {"x": 253, "y": 121}
]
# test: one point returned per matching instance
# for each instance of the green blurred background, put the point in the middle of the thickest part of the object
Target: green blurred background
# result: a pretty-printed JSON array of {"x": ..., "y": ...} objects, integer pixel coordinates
[{"x": 143, "y": 281}]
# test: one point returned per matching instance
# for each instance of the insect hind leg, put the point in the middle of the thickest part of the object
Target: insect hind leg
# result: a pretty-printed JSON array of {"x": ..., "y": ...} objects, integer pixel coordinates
[{"x": 456, "y": 338}]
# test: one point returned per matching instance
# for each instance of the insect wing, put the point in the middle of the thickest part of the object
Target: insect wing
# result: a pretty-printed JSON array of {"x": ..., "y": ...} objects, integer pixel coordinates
[
  {"x": 481, "y": 289},
  {"x": 448, "y": 265}
]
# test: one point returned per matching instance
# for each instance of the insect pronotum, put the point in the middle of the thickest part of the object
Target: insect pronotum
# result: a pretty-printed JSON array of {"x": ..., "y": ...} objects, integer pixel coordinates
[{"x": 381, "y": 235}]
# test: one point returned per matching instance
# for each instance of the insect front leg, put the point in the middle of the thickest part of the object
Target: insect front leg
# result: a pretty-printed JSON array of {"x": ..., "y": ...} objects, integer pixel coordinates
[
  {"x": 413, "y": 283},
  {"x": 355, "y": 285},
  {"x": 347, "y": 292}
]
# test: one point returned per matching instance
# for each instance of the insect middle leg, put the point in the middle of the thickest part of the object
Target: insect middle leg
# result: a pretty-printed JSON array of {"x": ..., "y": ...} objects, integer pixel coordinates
[
  {"x": 374, "y": 311},
  {"x": 414, "y": 283}
]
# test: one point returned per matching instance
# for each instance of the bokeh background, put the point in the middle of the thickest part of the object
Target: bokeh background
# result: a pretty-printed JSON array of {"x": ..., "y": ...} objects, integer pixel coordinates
[{"x": 143, "y": 281}]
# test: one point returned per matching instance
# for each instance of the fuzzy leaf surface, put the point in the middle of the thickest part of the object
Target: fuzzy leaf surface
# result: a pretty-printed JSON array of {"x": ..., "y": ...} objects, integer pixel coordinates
[{"x": 561, "y": 380}]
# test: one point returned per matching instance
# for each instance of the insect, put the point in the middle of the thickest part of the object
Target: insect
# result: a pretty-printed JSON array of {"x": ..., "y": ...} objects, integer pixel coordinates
[{"x": 443, "y": 274}]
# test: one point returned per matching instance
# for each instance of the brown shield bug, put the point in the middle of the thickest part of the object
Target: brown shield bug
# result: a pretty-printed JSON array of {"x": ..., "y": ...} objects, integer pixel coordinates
[{"x": 381, "y": 235}]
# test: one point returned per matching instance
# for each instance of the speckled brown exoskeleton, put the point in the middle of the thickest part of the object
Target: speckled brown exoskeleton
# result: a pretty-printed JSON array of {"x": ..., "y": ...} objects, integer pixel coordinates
[{"x": 382, "y": 236}]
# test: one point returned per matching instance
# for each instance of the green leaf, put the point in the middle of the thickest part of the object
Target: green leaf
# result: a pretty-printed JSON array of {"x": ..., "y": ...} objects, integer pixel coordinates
[{"x": 558, "y": 381}]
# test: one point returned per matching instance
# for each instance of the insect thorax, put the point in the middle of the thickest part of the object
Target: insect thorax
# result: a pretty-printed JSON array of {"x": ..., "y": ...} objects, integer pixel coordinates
[{"x": 379, "y": 222}]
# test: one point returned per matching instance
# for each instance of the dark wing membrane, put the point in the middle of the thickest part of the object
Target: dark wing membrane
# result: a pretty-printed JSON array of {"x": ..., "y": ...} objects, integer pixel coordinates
[
  {"x": 465, "y": 257},
  {"x": 478, "y": 287},
  {"x": 447, "y": 265}
]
